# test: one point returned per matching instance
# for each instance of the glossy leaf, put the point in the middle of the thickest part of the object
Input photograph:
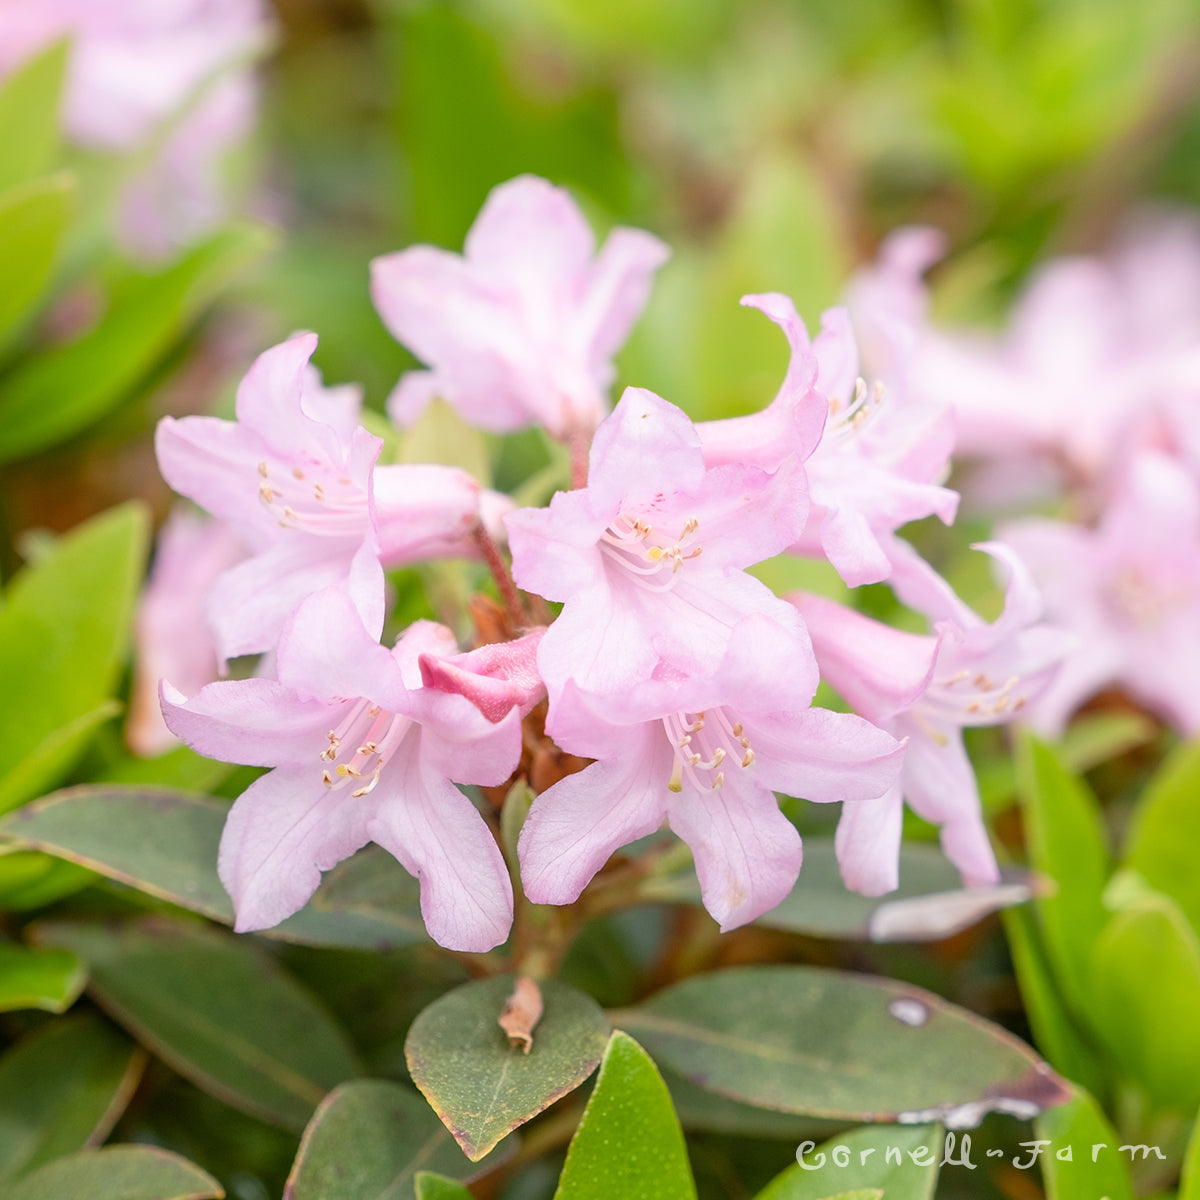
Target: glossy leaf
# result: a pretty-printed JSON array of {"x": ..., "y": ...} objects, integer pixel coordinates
[
  {"x": 119, "y": 1173},
  {"x": 29, "y": 103},
  {"x": 63, "y": 636},
  {"x": 61, "y": 392},
  {"x": 700, "y": 1109},
  {"x": 629, "y": 1142},
  {"x": 368, "y": 1140},
  {"x": 833, "y": 1044},
  {"x": 1066, "y": 844},
  {"x": 218, "y": 1009},
  {"x": 482, "y": 1087},
  {"x": 368, "y": 901},
  {"x": 1145, "y": 997},
  {"x": 929, "y": 904},
  {"x": 437, "y": 1187},
  {"x": 33, "y": 218},
  {"x": 46, "y": 979},
  {"x": 901, "y": 1161},
  {"x": 1166, "y": 830},
  {"x": 62, "y": 1088},
  {"x": 1081, "y": 1125}
]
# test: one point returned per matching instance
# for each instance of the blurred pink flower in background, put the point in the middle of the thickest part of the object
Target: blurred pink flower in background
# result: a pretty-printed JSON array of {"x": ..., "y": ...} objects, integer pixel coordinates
[
  {"x": 169, "y": 79},
  {"x": 1130, "y": 590}
]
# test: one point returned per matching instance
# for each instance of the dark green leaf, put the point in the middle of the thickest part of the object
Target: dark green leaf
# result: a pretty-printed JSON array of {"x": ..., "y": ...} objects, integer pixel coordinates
[
  {"x": 47, "y": 979},
  {"x": 901, "y": 1160},
  {"x": 119, "y": 1173},
  {"x": 63, "y": 636},
  {"x": 930, "y": 902},
  {"x": 61, "y": 1089},
  {"x": 481, "y": 1086},
  {"x": 832, "y": 1044},
  {"x": 1145, "y": 997},
  {"x": 629, "y": 1142},
  {"x": 218, "y": 1009},
  {"x": 368, "y": 1141},
  {"x": 33, "y": 217},
  {"x": 62, "y": 392},
  {"x": 1166, "y": 829},
  {"x": 1066, "y": 844},
  {"x": 165, "y": 844},
  {"x": 701, "y": 1109},
  {"x": 1076, "y": 1128},
  {"x": 29, "y": 102}
]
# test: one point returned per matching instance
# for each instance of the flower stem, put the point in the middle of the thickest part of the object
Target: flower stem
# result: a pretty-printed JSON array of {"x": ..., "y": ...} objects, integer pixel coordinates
[{"x": 509, "y": 595}]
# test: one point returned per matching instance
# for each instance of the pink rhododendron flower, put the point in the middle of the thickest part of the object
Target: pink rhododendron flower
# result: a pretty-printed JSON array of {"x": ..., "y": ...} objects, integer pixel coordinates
[
  {"x": 927, "y": 688},
  {"x": 1129, "y": 589},
  {"x": 136, "y": 66},
  {"x": 171, "y": 632},
  {"x": 520, "y": 329},
  {"x": 879, "y": 457},
  {"x": 360, "y": 752},
  {"x": 1093, "y": 348},
  {"x": 706, "y": 755},
  {"x": 295, "y": 477},
  {"x": 649, "y": 557}
]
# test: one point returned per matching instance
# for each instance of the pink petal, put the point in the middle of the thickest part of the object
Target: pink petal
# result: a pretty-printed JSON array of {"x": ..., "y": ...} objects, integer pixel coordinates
[
  {"x": 616, "y": 290},
  {"x": 438, "y": 836},
  {"x": 284, "y": 830},
  {"x": 575, "y": 825},
  {"x": 868, "y": 843},
  {"x": 747, "y": 852}
]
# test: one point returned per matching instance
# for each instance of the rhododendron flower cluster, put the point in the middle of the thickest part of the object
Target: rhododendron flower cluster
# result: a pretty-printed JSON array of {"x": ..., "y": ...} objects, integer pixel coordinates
[{"x": 684, "y": 679}]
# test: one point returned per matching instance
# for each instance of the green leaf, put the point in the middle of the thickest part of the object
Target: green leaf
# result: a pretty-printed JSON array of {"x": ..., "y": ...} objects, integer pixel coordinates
[
  {"x": 47, "y": 979},
  {"x": 1189, "y": 1181},
  {"x": 63, "y": 391},
  {"x": 1081, "y": 1126},
  {"x": 368, "y": 1141},
  {"x": 119, "y": 1173},
  {"x": 700, "y": 1109},
  {"x": 440, "y": 435},
  {"x": 369, "y": 901},
  {"x": 63, "y": 637},
  {"x": 62, "y": 1088},
  {"x": 1055, "y": 1033},
  {"x": 33, "y": 217},
  {"x": 437, "y": 1187},
  {"x": 901, "y": 1161},
  {"x": 481, "y": 1086},
  {"x": 929, "y": 903},
  {"x": 1066, "y": 843},
  {"x": 629, "y": 1142},
  {"x": 29, "y": 880},
  {"x": 859, "y": 1194},
  {"x": 1145, "y": 997},
  {"x": 833, "y": 1044},
  {"x": 1166, "y": 827},
  {"x": 218, "y": 1009},
  {"x": 29, "y": 102}
]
